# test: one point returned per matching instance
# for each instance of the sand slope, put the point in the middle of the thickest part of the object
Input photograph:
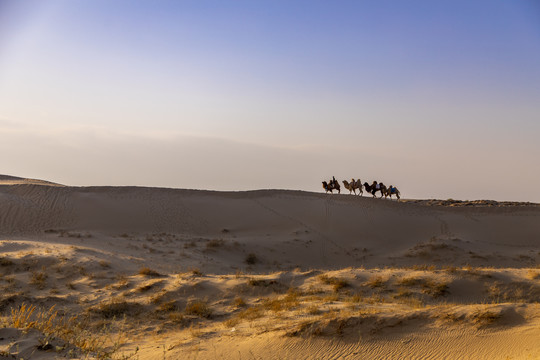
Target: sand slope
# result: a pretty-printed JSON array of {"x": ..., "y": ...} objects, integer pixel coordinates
[{"x": 275, "y": 273}]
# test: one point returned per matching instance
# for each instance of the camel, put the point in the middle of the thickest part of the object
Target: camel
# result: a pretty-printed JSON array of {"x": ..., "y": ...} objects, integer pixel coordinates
[
  {"x": 349, "y": 187},
  {"x": 331, "y": 186},
  {"x": 374, "y": 187},
  {"x": 353, "y": 185},
  {"x": 357, "y": 185},
  {"x": 392, "y": 190}
]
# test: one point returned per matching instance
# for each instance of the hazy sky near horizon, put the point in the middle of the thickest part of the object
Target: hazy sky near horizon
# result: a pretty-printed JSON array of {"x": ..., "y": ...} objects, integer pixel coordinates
[{"x": 440, "y": 98}]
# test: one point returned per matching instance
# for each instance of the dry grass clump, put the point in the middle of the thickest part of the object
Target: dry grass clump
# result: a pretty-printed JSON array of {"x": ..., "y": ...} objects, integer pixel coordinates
[
  {"x": 409, "y": 281},
  {"x": 375, "y": 282},
  {"x": 451, "y": 269},
  {"x": 251, "y": 313},
  {"x": 122, "y": 283},
  {"x": 533, "y": 274},
  {"x": 356, "y": 298},
  {"x": 337, "y": 283},
  {"x": 449, "y": 317},
  {"x": 435, "y": 289},
  {"x": 214, "y": 244},
  {"x": 287, "y": 302},
  {"x": 116, "y": 308},
  {"x": 313, "y": 310},
  {"x": 402, "y": 293},
  {"x": 168, "y": 306},
  {"x": 331, "y": 297},
  {"x": 39, "y": 278},
  {"x": 101, "y": 344},
  {"x": 411, "y": 301},
  {"x": 196, "y": 272},
  {"x": 6, "y": 262},
  {"x": 178, "y": 318},
  {"x": 485, "y": 317},
  {"x": 311, "y": 327},
  {"x": 145, "y": 271},
  {"x": 423, "y": 267},
  {"x": 198, "y": 308},
  {"x": 145, "y": 288},
  {"x": 514, "y": 292},
  {"x": 239, "y": 302},
  {"x": 262, "y": 282}
]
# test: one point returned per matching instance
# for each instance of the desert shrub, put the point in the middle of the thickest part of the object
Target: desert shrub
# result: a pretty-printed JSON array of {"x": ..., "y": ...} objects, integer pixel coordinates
[
  {"x": 168, "y": 306},
  {"x": 485, "y": 317},
  {"x": 356, "y": 298},
  {"x": 337, "y": 283},
  {"x": 232, "y": 322},
  {"x": 145, "y": 271},
  {"x": 178, "y": 318},
  {"x": 375, "y": 282},
  {"x": 198, "y": 308},
  {"x": 239, "y": 302},
  {"x": 286, "y": 302},
  {"x": 39, "y": 279},
  {"x": 262, "y": 282},
  {"x": 145, "y": 288},
  {"x": 251, "y": 313},
  {"x": 435, "y": 289}
]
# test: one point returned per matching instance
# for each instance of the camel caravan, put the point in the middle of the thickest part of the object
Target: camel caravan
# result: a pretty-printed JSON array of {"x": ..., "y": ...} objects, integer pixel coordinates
[{"x": 386, "y": 191}]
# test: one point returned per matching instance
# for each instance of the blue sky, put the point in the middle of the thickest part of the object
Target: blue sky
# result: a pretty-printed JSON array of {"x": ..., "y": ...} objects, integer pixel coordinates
[{"x": 441, "y": 99}]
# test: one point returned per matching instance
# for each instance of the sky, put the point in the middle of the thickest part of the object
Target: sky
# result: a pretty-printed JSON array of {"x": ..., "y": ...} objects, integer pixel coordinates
[{"x": 438, "y": 98}]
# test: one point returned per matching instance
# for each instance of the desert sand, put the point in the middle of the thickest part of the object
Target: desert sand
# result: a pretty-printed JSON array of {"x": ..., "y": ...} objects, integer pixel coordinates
[{"x": 157, "y": 273}]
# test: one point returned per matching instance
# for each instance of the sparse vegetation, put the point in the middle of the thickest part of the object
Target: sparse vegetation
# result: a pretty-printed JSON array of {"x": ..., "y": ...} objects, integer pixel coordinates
[
  {"x": 145, "y": 271},
  {"x": 533, "y": 274},
  {"x": 116, "y": 308},
  {"x": 375, "y": 282},
  {"x": 6, "y": 262},
  {"x": 337, "y": 283},
  {"x": 103, "y": 344},
  {"x": 435, "y": 288},
  {"x": 198, "y": 308},
  {"x": 409, "y": 281},
  {"x": 239, "y": 302},
  {"x": 485, "y": 317},
  {"x": 39, "y": 278},
  {"x": 214, "y": 244}
]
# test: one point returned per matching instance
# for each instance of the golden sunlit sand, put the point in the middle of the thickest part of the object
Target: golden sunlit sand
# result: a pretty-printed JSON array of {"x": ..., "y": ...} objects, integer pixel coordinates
[{"x": 154, "y": 273}]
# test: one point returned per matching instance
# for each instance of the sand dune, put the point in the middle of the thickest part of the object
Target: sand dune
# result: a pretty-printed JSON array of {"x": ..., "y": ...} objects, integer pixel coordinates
[{"x": 272, "y": 273}]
